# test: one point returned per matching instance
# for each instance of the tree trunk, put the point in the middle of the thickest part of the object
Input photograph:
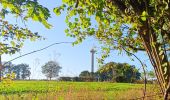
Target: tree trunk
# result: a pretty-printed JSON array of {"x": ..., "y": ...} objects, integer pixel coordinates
[{"x": 158, "y": 58}]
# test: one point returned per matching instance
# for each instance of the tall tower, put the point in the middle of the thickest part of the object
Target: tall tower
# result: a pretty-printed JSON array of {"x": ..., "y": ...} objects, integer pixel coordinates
[{"x": 92, "y": 62}]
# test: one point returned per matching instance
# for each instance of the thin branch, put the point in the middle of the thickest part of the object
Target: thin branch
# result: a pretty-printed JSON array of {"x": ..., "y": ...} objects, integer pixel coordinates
[
  {"x": 145, "y": 81},
  {"x": 37, "y": 51},
  {"x": 134, "y": 48}
]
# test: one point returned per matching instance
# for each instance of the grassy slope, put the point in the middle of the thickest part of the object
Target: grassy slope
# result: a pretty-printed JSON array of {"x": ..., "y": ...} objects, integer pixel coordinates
[{"x": 52, "y": 90}]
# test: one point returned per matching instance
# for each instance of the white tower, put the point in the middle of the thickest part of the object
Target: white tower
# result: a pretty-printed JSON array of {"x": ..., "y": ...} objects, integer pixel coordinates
[{"x": 92, "y": 61}]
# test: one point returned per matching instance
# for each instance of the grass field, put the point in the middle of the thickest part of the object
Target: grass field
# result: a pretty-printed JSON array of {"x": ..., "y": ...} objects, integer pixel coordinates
[{"x": 53, "y": 90}]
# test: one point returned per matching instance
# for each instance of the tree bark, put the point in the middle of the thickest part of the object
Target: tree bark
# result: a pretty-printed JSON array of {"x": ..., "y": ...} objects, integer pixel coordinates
[{"x": 158, "y": 58}]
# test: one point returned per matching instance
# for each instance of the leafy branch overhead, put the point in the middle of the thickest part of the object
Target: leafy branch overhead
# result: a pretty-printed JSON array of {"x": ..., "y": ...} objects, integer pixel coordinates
[
  {"x": 12, "y": 36},
  {"x": 26, "y": 9},
  {"x": 112, "y": 25}
]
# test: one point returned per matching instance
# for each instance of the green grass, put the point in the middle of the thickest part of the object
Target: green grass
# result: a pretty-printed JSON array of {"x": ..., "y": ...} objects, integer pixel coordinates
[
  {"x": 53, "y": 90},
  {"x": 46, "y": 86}
]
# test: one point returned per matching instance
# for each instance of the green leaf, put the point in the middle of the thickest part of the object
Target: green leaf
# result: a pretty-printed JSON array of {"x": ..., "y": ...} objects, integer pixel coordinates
[
  {"x": 144, "y": 13},
  {"x": 97, "y": 18},
  {"x": 161, "y": 52},
  {"x": 165, "y": 70},
  {"x": 160, "y": 48},
  {"x": 72, "y": 13},
  {"x": 33, "y": 39},
  {"x": 143, "y": 18},
  {"x": 166, "y": 77},
  {"x": 66, "y": 31},
  {"x": 46, "y": 24},
  {"x": 13, "y": 43},
  {"x": 165, "y": 64},
  {"x": 153, "y": 44},
  {"x": 166, "y": 5},
  {"x": 165, "y": 27},
  {"x": 3, "y": 33},
  {"x": 57, "y": 11},
  {"x": 35, "y": 17},
  {"x": 76, "y": 19},
  {"x": 162, "y": 57},
  {"x": 21, "y": 45}
]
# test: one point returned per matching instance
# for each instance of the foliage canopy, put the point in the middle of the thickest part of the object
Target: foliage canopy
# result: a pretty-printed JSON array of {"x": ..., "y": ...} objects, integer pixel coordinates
[
  {"x": 119, "y": 72},
  {"x": 13, "y": 36},
  {"x": 22, "y": 71},
  {"x": 129, "y": 25}
]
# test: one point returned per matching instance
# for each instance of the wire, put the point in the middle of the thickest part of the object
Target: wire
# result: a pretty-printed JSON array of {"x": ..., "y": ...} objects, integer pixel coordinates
[{"x": 37, "y": 51}]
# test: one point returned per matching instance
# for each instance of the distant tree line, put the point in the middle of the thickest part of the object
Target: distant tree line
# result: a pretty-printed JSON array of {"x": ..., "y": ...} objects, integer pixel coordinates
[
  {"x": 22, "y": 71},
  {"x": 114, "y": 72}
]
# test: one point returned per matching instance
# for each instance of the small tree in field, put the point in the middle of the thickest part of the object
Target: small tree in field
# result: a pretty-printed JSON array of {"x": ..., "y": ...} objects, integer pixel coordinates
[{"x": 51, "y": 69}]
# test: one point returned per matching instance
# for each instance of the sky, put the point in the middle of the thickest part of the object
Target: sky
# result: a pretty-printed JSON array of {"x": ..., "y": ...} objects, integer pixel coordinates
[{"x": 73, "y": 59}]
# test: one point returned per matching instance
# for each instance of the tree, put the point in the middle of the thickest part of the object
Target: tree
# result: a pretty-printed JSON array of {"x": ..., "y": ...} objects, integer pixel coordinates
[
  {"x": 13, "y": 36},
  {"x": 7, "y": 68},
  {"x": 85, "y": 74},
  {"x": 22, "y": 71},
  {"x": 119, "y": 72},
  {"x": 25, "y": 71},
  {"x": 51, "y": 69},
  {"x": 108, "y": 72},
  {"x": 129, "y": 25},
  {"x": 17, "y": 72}
]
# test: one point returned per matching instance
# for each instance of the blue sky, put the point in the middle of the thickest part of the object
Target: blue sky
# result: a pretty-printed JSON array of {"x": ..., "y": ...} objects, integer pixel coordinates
[{"x": 72, "y": 59}]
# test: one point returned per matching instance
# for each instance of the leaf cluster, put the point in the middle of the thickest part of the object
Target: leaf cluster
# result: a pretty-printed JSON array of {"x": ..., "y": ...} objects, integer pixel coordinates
[
  {"x": 12, "y": 36},
  {"x": 26, "y": 9}
]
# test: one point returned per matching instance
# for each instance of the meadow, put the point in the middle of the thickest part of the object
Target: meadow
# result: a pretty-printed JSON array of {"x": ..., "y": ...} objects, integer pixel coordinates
[{"x": 54, "y": 90}]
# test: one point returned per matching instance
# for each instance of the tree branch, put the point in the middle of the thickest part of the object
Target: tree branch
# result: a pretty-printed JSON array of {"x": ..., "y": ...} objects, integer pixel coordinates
[
  {"x": 134, "y": 48},
  {"x": 143, "y": 66}
]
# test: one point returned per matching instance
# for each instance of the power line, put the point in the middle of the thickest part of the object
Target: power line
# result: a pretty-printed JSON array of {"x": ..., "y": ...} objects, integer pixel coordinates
[{"x": 37, "y": 51}]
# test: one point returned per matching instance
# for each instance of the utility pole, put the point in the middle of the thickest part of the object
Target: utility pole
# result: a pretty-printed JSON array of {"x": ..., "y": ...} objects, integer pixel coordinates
[{"x": 92, "y": 62}]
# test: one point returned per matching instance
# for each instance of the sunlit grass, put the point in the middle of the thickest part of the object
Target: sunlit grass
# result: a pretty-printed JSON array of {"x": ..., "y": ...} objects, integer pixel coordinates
[{"x": 53, "y": 90}]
